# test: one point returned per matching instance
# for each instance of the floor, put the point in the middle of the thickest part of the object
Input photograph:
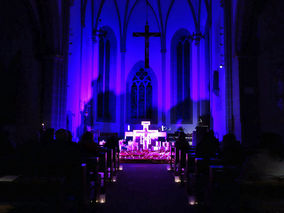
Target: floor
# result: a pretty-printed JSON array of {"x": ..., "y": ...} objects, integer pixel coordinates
[{"x": 145, "y": 188}]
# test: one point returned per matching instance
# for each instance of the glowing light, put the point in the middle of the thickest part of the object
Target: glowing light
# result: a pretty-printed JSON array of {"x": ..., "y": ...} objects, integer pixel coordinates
[
  {"x": 120, "y": 168},
  {"x": 102, "y": 174},
  {"x": 128, "y": 128},
  {"x": 102, "y": 142},
  {"x": 221, "y": 66},
  {"x": 114, "y": 179},
  {"x": 102, "y": 198},
  {"x": 83, "y": 164},
  {"x": 192, "y": 200},
  {"x": 177, "y": 179}
]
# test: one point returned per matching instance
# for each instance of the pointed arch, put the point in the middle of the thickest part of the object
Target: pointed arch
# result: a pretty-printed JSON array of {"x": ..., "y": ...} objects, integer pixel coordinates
[
  {"x": 99, "y": 13},
  {"x": 168, "y": 14},
  {"x": 153, "y": 11},
  {"x": 119, "y": 18},
  {"x": 194, "y": 15},
  {"x": 192, "y": 12}
]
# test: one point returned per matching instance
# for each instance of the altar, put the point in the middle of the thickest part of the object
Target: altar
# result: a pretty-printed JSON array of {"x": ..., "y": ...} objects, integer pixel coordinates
[
  {"x": 145, "y": 144},
  {"x": 146, "y": 137}
]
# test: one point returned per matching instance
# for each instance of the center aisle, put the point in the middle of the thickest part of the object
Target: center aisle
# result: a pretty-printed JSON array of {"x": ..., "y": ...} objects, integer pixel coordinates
[{"x": 145, "y": 188}]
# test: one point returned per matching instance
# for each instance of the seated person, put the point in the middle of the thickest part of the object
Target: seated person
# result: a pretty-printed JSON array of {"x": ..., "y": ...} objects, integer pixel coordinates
[
  {"x": 231, "y": 151},
  {"x": 62, "y": 146},
  {"x": 61, "y": 136},
  {"x": 88, "y": 144},
  {"x": 183, "y": 145},
  {"x": 181, "y": 142},
  {"x": 208, "y": 146},
  {"x": 112, "y": 142},
  {"x": 47, "y": 136}
]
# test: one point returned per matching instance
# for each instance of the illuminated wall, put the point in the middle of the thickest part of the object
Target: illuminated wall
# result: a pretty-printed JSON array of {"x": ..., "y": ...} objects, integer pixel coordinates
[
  {"x": 122, "y": 18},
  {"x": 217, "y": 98}
]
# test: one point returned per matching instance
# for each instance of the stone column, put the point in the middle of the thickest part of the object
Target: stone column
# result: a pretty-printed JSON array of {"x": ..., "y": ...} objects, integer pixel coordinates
[
  {"x": 195, "y": 78},
  {"x": 163, "y": 53},
  {"x": 94, "y": 77},
  {"x": 123, "y": 93},
  {"x": 203, "y": 80},
  {"x": 54, "y": 92},
  {"x": 228, "y": 66}
]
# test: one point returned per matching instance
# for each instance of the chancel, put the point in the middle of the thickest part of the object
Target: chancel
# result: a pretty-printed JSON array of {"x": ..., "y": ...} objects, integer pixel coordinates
[{"x": 181, "y": 94}]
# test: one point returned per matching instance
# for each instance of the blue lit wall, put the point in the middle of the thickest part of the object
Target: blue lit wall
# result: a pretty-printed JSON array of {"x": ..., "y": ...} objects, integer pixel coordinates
[
  {"x": 166, "y": 18},
  {"x": 74, "y": 69},
  {"x": 218, "y": 102}
]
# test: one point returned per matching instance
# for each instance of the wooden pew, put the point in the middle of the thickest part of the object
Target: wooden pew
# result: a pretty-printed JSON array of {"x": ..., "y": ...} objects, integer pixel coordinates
[{"x": 112, "y": 158}]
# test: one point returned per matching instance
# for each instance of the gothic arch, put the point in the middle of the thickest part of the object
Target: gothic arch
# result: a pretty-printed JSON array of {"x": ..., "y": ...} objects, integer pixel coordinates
[
  {"x": 192, "y": 11},
  {"x": 140, "y": 67},
  {"x": 151, "y": 9}
]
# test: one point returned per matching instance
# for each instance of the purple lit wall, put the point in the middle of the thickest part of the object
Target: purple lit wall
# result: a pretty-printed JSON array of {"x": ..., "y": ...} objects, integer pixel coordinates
[
  {"x": 218, "y": 102},
  {"x": 128, "y": 53},
  {"x": 74, "y": 69}
]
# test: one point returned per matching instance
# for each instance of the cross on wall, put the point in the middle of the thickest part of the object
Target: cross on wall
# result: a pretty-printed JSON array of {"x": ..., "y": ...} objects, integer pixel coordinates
[{"x": 147, "y": 36}]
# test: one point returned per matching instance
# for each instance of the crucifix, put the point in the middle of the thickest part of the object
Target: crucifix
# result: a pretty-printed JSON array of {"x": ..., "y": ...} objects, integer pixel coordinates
[
  {"x": 147, "y": 36},
  {"x": 145, "y": 134}
]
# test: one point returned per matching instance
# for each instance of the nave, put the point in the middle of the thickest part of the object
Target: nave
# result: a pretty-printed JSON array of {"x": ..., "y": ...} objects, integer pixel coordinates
[
  {"x": 145, "y": 188},
  {"x": 62, "y": 176}
]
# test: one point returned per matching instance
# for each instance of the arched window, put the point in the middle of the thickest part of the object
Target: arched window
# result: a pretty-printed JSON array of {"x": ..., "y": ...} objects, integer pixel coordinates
[
  {"x": 182, "y": 110},
  {"x": 105, "y": 99},
  {"x": 141, "y": 96}
]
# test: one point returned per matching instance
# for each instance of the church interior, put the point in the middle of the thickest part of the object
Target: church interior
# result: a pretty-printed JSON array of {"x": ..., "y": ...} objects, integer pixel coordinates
[{"x": 142, "y": 106}]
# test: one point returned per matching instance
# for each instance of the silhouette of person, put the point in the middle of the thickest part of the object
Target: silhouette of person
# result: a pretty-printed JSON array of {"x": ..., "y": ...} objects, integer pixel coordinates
[
  {"x": 231, "y": 151},
  {"x": 88, "y": 144},
  {"x": 47, "y": 136},
  {"x": 183, "y": 145},
  {"x": 208, "y": 146},
  {"x": 112, "y": 142},
  {"x": 61, "y": 136}
]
